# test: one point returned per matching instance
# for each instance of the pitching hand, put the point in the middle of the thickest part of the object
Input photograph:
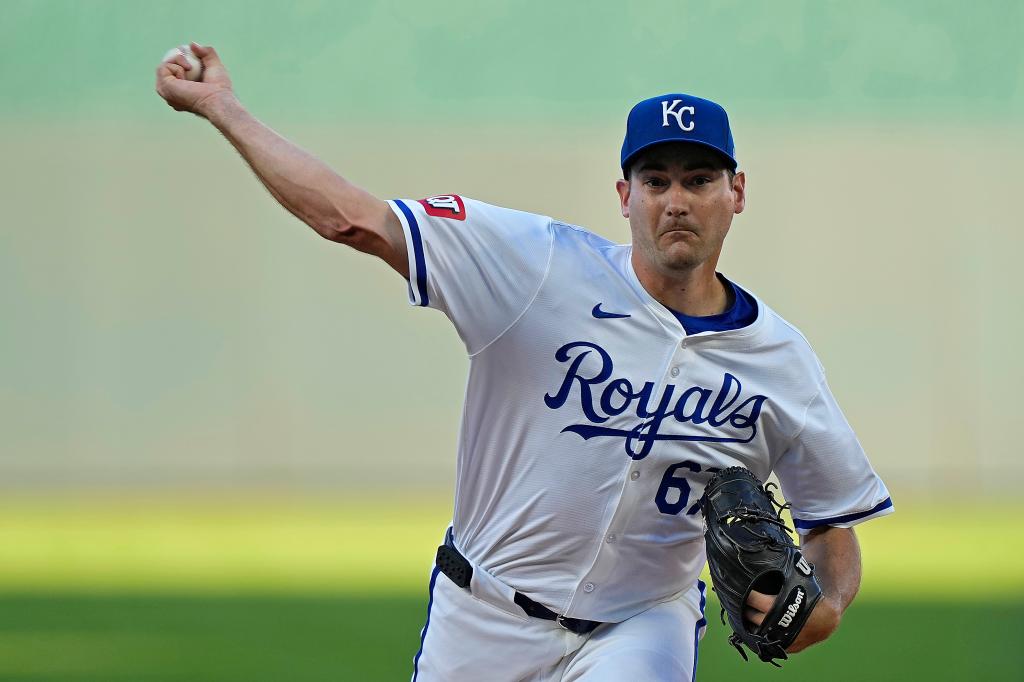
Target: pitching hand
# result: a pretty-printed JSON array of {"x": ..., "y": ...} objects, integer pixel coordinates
[
  {"x": 822, "y": 622},
  {"x": 193, "y": 96}
]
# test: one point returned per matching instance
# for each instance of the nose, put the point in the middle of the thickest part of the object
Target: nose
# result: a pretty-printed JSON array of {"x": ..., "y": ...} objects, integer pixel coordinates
[{"x": 678, "y": 204}]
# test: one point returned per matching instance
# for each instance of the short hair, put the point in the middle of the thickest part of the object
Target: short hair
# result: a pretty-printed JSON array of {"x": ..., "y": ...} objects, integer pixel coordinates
[
  {"x": 723, "y": 163},
  {"x": 628, "y": 170}
]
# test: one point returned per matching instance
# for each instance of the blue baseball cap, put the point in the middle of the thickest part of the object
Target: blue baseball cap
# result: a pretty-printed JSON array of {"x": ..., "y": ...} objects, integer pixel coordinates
[{"x": 677, "y": 118}]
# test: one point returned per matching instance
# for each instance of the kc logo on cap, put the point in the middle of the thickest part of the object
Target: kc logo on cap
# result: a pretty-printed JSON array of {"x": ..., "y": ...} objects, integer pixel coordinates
[
  {"x": 673, "y": 109},
  {"x": 673, "y": 118}
]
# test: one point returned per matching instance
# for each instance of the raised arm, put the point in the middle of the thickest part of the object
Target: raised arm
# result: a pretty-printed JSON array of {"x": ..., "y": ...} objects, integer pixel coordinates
[{"x": 335, "y": 208}]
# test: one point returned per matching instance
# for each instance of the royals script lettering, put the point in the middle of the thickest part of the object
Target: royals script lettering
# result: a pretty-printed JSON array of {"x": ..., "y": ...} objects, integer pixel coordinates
[{"x": 722, "y": 414}]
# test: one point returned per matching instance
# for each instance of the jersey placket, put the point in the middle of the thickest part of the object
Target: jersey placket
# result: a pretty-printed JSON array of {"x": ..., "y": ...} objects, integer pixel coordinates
[{"x": 638, "y": 490}]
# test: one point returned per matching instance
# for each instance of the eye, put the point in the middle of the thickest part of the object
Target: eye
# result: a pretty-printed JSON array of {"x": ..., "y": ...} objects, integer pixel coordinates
[
  {"x": 702, "y": 180},
  {"x": 654, "y": 182}
]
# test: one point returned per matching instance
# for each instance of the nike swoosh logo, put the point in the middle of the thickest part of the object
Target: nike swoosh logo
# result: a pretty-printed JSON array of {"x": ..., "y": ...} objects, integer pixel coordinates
[{"x": 602, "y": 315}]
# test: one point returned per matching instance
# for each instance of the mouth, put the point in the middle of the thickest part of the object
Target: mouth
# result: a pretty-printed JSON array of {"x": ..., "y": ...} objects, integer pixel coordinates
[{"x": 680, "y": 230}]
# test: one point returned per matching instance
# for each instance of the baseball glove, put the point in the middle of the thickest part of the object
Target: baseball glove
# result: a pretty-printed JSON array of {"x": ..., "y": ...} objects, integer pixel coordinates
[{"x": 749, "y": 548}]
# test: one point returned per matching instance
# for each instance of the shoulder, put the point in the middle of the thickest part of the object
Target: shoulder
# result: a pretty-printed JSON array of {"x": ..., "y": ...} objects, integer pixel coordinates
[
  {"x": 453, "y": 228},
  {"x": 782, "y": 335},
  {"x": 456, "y": 211},
  {"x": 580, "y": 240},
  {"x": 482, "y": 210},
  {"x": 582, "y": 260}
]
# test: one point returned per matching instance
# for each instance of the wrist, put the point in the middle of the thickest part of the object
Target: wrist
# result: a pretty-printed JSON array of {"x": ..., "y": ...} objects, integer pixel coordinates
[
  {"x": 822, "y": 623},
  {"x": 218, "y": 107},
  {"x": 831, "y": 614}
]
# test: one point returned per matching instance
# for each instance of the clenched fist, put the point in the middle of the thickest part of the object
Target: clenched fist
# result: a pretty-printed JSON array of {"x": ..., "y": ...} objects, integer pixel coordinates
[{"x": 194, "y": 96}]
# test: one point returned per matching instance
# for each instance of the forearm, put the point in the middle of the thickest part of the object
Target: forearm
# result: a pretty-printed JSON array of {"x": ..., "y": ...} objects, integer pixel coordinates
[
  {"x": 300, "y": 182},
  {"x": 835, "y": 554}
]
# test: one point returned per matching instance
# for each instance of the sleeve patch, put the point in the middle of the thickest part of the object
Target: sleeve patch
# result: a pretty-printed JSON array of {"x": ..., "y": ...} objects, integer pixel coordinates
[{"x": 445, "y": 206}]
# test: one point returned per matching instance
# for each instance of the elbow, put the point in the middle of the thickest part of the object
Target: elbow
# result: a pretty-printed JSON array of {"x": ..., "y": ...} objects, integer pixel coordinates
[
  {"x": 368, "y": 226},
  {"x": 337, "y": 226},
  {"x": 337, "y": 217},
  {"x": 330, "y": 224},
  {"x": 335, "y": 230},
  {"x": 342, "y": 232}
]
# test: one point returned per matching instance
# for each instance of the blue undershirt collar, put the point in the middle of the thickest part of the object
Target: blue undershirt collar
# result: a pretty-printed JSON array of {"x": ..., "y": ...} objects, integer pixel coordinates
[{"x": 741, "y": 313}]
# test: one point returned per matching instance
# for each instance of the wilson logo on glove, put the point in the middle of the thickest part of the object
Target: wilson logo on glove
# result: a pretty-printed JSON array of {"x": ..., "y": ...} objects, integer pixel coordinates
[{"x": 792, "y": 609}]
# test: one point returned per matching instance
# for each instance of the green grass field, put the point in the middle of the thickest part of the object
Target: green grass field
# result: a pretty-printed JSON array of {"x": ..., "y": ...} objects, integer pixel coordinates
[
  {"x": 284, "y": 589},
  {"x": 335, "y": 637}
]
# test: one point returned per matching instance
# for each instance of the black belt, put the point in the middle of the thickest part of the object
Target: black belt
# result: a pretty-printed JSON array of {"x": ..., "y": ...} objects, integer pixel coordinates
[{"x": 460, "y": 572}]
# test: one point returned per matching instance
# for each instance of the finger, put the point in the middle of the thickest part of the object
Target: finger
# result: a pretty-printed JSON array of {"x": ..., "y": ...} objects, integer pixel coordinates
[
  {"x": 177, "y": 56},
  {"x": 171, "y": 55},
  {"x": 207, "y": 55},
  {"x": 168, "y": 86},
  {"x": 176, "y": 69},
  {"x": 165, "y": 70},
  {"x": 760, "y": 600},
  {"x": 181, "y": 61},
  {"x": 753, "y": 616}
]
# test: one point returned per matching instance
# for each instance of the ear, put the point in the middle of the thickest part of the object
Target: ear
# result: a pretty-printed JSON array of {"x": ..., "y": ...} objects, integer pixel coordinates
[
  {"x": 622, "y": 187},
  {"x": 739, "y": 191}
]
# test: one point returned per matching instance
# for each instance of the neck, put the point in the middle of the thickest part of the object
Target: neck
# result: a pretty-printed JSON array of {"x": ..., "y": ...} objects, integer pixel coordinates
[{"x": 697, "y": 292}]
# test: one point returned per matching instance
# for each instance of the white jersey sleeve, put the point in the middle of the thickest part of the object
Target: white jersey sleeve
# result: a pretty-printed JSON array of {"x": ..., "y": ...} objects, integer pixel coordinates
[
  {"x": 479, "y": 264},
  {"x": 826, "y": 475}
]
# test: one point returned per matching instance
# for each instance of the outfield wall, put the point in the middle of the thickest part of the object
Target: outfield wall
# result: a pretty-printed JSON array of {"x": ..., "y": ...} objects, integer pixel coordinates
[{"x": 166, "y": 323}]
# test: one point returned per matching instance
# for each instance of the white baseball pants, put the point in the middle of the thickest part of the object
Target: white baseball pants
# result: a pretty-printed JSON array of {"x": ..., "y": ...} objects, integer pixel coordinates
[{"x": 472, "y": 639}]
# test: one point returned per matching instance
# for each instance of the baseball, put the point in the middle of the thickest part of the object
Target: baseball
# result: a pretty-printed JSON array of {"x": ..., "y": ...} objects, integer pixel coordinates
[{"x": 196, "y": 72}]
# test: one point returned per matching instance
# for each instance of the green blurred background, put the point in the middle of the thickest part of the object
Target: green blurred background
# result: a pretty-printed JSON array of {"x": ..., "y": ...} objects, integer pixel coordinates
[{"x": 227, "y": 446}]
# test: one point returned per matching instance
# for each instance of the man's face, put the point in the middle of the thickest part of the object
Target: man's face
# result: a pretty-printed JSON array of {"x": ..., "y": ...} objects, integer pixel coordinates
[{"x": 680, "y": 201}]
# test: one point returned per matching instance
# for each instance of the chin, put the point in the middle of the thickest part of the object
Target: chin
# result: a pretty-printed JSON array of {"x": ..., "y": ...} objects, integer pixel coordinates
[{"x": 677, "y": 259}]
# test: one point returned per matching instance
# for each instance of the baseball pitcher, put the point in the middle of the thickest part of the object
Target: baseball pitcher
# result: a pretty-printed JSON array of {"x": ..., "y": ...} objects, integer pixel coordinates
[{"x": 625, "y": 403}]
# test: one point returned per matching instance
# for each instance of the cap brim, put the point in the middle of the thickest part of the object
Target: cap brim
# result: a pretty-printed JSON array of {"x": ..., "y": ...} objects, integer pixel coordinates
[{"x": 730, "y": 162}]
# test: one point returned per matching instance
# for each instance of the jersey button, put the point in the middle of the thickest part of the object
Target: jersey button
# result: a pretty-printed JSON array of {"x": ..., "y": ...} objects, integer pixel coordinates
[
  {"x": 635, "y": 475},
  {"x": 588, "y": 587},
  {"x": 610, "y": 537},
  {"x": 674, "y": 371}
]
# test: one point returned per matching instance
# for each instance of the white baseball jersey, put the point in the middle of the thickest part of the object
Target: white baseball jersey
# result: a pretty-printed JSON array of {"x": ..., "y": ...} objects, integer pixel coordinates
[{"x": 592, "y": 420}]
